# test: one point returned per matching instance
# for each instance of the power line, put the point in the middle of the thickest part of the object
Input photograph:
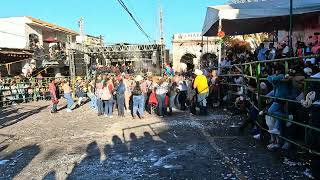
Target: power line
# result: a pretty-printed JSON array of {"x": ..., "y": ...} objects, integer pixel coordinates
[{"x": 134, "y": 19}]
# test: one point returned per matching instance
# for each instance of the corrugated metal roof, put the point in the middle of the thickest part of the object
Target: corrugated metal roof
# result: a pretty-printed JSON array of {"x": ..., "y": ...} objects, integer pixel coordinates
[{"x": 47, "y": 24}]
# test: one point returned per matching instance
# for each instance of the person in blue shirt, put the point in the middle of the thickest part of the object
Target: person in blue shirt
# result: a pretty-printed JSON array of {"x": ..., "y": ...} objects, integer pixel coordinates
[{"x": 262, "y": 52}]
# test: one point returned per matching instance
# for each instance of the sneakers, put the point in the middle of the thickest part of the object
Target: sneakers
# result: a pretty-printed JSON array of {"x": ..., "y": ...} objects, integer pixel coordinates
[
  {"x": 309, "y": 98},
  {"x": 257, "y": 136},
  {"x": 111, "y": 117},
  {"x": 106, "y": 115},
  {"x": 69, "y": 110},
  {"x": 274, "y": 131},
  {"x": 273, "y": 146}
]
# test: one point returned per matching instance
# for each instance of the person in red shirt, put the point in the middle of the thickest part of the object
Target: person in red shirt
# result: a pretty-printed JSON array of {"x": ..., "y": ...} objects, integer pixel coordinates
[{"x": 53, "y": 95}]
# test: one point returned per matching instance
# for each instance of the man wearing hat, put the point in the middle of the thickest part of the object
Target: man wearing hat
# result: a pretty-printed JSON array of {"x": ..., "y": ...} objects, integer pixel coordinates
[{"x": 200, "y": 83}]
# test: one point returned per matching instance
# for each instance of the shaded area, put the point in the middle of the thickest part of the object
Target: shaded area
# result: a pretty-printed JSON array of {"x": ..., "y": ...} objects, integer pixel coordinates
[
  {"x": 17, "y": 161},
  {"x": 176, "y": 154},
  {"x": 50, "y": 176},
  {"x": 181, "y": 151},
  {"x": 7, "y": 120}
]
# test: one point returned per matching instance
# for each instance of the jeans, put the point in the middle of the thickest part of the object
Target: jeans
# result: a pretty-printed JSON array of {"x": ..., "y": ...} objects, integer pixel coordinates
[
  {"x": 202, "y": 99},
  {"x": 54, "y": 108},
  {"x": 182, "y": 99},
  {"x": 100, "y": 106},
  {"x": 93, "y": 101},
  {"x": 138, "y": 105},
  {"x": 161, "y": 103},
  {"x": 275, "y": 109},
  {"x": 69, "y": 100},
  {"x": 120, "y": 103},
  {"x": 108, "y": 107},
  {"x": 171, "y": 102}
]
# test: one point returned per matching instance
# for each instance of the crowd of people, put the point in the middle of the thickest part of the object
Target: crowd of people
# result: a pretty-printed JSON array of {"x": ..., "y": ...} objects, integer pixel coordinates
[
  {"x": 270, "y": 109},
  {"x": 135, "y": 94},
  {"x": 118, "y": 90}
]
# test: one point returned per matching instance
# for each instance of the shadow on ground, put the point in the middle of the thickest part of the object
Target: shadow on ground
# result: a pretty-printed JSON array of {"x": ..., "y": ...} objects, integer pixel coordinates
[
  {"x": 7, "y": 120},
  {"x": 176, "y": 154},
  {"x": 16, "y": 161}
]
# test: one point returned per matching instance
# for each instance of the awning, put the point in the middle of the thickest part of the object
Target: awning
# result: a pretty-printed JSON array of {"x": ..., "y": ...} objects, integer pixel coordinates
[
  {"x": 50, "y": 40},
  {"x": 253, "y": 17}
]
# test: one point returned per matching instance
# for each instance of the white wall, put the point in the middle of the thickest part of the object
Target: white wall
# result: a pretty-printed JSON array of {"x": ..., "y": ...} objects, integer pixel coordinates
[
  {"x": 184, "y": 43},
  {"x": 34, "y": 30},
  {"x": 13, "y": 32}
]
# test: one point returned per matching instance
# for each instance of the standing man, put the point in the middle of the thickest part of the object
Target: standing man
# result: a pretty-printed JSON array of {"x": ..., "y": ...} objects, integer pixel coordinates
[
  {"x": 200, "y": 83},
  {"x": 121, "y": 88},
  {"x": 138, "y": 99},
  {"x": 53, "y": 95}
]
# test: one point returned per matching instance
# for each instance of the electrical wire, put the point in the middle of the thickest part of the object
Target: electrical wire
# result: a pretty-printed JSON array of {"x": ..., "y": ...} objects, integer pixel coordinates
[{"x": 134, "y": 20}]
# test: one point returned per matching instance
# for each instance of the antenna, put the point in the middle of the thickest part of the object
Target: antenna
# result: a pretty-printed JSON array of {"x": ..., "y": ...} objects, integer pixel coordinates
[
  {"x": 161, "y": 39},
  {"x": 81, "y": 26}
]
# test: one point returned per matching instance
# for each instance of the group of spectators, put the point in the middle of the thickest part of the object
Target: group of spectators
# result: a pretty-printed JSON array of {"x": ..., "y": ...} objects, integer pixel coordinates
[
  {"x": 136, "y": 94},
  {"x": 21, "y": 89},
  {"x": 276, "y": 84}
]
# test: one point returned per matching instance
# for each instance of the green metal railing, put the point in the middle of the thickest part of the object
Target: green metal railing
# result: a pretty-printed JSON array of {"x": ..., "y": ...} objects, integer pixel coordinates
[
  {"x": 29, "y": 89},
  {"x": 256, "y": 75}
]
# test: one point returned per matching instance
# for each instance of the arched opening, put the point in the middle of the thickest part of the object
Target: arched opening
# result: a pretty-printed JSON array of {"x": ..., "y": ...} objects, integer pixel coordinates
[
  {"x": 209, "y": 59},
  {"x": 188, "y": 60}
]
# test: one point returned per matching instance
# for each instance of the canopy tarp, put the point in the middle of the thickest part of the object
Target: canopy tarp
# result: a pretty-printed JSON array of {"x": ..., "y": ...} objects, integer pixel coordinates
[{"x": 254, "y": 17}]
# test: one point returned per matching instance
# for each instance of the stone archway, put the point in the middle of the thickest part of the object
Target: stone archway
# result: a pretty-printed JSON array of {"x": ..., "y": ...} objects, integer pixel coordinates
[
  {"x": 208, "y": 59},
  {"x": 188, "y": 60}
]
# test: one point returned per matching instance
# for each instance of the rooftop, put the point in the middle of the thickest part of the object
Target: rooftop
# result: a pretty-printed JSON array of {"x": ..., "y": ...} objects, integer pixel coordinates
[{"x": 50, "y": 25}]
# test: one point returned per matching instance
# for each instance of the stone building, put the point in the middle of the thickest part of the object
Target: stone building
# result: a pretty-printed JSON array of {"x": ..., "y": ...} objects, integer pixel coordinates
[{"x": 187, "y": 50}]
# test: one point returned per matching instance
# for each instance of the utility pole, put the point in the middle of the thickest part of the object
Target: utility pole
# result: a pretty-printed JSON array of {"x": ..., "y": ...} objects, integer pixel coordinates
[
  {"x": 162, "y": 46},
  {"x": 290, "y": 29}
]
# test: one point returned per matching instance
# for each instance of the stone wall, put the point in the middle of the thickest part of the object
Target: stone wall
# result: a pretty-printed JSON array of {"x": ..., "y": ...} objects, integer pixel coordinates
[{"x": 184, "y": 43}]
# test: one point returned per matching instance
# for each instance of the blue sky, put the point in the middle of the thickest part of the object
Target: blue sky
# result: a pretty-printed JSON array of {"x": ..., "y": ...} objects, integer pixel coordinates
[{"x": 106, "y": 17}]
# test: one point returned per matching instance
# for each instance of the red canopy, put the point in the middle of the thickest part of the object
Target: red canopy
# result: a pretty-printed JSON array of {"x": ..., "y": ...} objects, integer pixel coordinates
[{"x": 50, "y": 40}]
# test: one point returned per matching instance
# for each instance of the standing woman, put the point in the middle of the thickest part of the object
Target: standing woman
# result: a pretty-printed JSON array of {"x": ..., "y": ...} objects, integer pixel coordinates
[
  {"x": 127, "y": 93},
  {"x": 120, "y": 97},
  {"x": 53, "y": 95},
  {"x": 99, "y": 91},
  {"x": 67, "y": 94},
  {"x": 107, "y": 97},
  {"x": 172, "y": 95},
  {"x": 161, "y": 92},
  {"x": 79, "y": 91}
]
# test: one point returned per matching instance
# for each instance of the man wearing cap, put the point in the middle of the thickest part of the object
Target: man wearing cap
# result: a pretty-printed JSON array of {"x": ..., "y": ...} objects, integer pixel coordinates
[{"x": 200, "y": 83}]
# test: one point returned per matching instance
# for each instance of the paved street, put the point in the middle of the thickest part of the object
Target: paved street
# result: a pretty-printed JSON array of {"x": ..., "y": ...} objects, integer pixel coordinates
[{"x": 35, "y": 144}]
